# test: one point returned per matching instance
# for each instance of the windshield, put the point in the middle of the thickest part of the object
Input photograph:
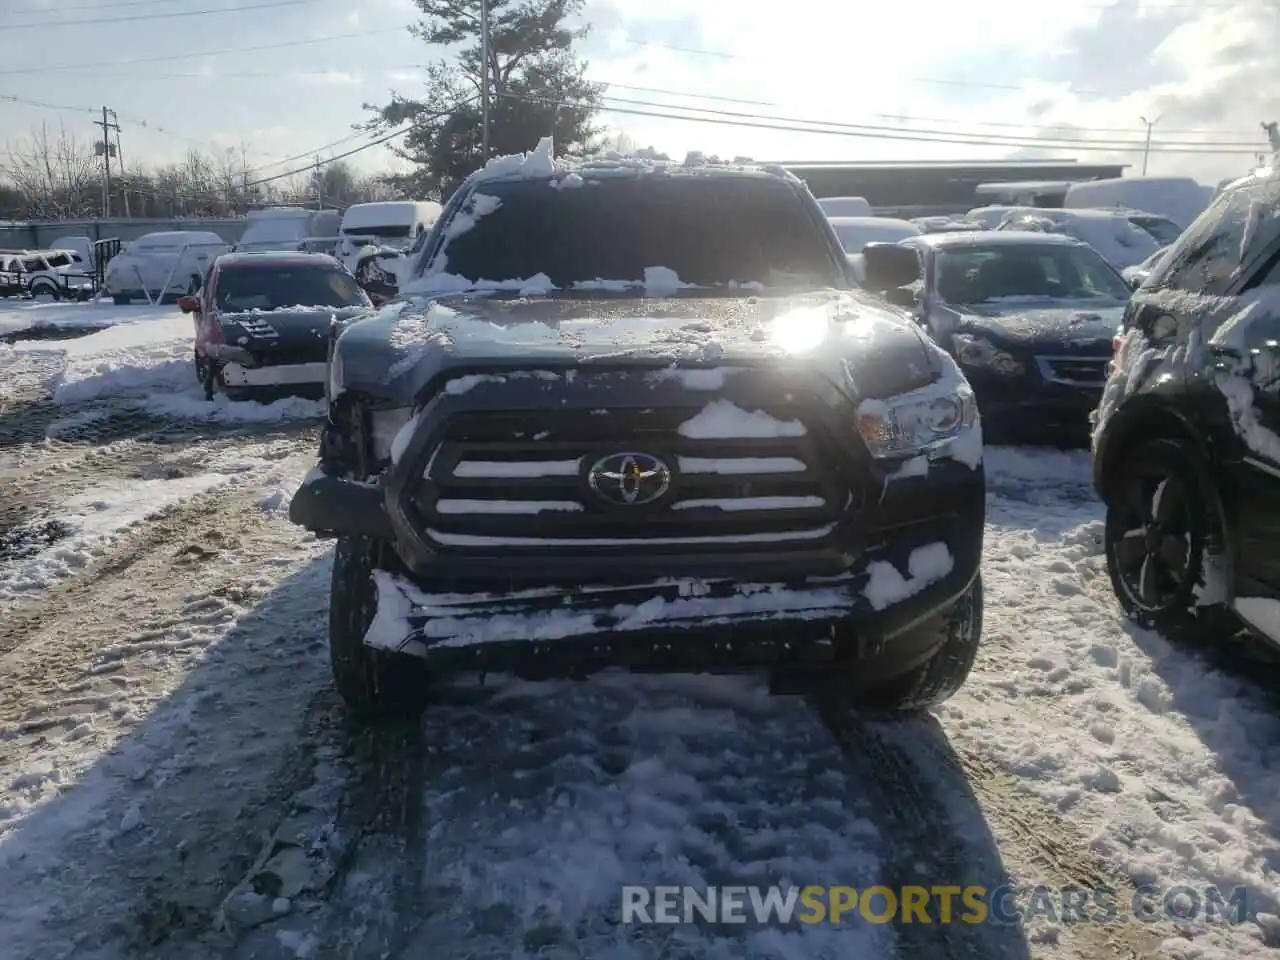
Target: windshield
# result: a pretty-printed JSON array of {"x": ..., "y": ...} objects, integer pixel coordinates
[
  {"x": 270, "y": 231},
  {"x": 709, "y": 232},
  {"x": 975, "y": 274},
  {"x": 278, "y": 286},
  {"x": 1164, "y": 231},
  {"x": 394, "y": 230}
]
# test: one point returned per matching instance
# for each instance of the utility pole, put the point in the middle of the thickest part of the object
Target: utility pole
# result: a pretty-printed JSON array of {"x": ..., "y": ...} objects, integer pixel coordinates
[
  {"x": 105, "y": 148},
  {"x": 1146, "y": 151},
  {"x": 319, "y": 185},
  {"x": 484, "y": 81}
]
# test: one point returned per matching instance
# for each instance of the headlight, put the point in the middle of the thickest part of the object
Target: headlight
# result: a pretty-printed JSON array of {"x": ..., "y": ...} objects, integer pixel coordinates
[
  {"x": 385, "y": 425},
  {"x": 974, "y": 351},
  {"x": 915, "y": 422}
]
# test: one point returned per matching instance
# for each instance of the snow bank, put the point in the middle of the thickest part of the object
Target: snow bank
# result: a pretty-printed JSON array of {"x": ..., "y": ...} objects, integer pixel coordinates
[{"x": 148, "y": 364}]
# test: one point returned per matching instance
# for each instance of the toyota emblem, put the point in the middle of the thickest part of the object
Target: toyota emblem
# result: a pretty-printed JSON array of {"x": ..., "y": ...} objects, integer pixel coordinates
[{"x": 629, "y": 479}]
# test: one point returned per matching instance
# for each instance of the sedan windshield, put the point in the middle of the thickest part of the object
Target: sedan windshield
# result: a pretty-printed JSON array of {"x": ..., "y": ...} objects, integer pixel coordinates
[
  {"x": 278, "y": 286},
  {"x": 709, "y": 232},
  {"x": 976, "y": 274}
]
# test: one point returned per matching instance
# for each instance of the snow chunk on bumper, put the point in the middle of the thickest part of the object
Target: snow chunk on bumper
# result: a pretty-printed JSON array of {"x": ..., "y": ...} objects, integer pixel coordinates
[
  {"x": 400, "y": 603},
  {"x": 722, "y": 420},
  {"x": 926, "y": 565}
]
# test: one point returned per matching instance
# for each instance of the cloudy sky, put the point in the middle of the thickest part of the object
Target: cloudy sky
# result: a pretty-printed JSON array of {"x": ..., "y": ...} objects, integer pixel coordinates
[{"x": 898, "y": 80}]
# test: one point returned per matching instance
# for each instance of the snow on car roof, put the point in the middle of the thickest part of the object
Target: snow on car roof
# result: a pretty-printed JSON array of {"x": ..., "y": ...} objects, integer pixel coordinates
[
  {"x": 969, "y": 238},
  {"x": 541, "y": 163}
]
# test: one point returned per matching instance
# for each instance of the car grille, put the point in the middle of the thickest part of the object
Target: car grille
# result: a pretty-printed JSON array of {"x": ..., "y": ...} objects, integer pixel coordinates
[
  {"x": 1075, "y": 371},
  {"x": 502, "y": 481}
]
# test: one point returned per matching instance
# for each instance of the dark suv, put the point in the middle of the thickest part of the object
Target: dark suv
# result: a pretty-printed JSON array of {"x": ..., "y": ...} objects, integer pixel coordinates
[
  {"x": 639, "y": 416},
  {"x": 1187, "y": 438}
]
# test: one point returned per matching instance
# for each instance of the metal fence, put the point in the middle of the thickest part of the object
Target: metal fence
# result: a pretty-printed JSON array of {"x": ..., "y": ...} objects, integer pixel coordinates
[{"x": 38, "y": 235}]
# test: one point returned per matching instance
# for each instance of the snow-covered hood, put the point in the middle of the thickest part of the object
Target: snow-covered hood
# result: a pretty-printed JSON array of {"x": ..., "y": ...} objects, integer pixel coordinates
[
  {"x": 1045, "y": 321},
  {"x": 396, "y": 353}
]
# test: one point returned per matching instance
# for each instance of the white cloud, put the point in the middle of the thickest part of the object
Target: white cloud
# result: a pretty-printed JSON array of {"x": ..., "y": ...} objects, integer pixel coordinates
[{"x": 331, "y": 78}]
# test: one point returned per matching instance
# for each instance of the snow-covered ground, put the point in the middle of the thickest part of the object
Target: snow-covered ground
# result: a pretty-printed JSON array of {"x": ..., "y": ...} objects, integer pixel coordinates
[{"x": 177, "y": 780}]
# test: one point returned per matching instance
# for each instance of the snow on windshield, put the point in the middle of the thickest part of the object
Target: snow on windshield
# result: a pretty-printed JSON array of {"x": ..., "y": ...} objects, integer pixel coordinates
[
  {"x": 979, "y": 274},
  {"x": 708, "y": 232}
]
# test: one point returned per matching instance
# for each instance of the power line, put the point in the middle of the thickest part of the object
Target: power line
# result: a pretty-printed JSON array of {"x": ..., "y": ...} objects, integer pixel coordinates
[
  {"x": 726, "y": 118},
  {"x": 64, "y": 24},
  {"x": 1202, "y": 131},
  {"x": 902, "y": 133}
]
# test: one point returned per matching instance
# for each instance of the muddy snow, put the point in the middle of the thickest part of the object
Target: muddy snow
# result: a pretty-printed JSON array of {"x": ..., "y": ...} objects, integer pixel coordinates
[{"x": 177, "y": 778}]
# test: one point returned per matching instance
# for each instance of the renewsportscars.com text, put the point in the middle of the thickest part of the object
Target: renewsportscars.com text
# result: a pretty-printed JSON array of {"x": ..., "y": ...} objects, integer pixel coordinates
[{"x": 934, "y": 904}]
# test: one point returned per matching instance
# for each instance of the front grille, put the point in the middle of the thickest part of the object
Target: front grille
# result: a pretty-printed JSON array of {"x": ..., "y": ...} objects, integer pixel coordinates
[
  {"x": 1075, "y": 371},
  {"x": 520, "y": 480}
]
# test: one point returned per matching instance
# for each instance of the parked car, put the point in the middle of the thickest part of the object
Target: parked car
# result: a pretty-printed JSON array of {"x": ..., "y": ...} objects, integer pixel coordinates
[
  {"x": 1186, "y": 448},
  {"x": 1163, "y": 230},
  {"x": 163, "y": 264},
  {"x": 945, "y": 225},
  {"x": 1111, "y": 232},
  {"x": 846, "y": 207},
  {"x": 854, "y": 233},
  {"x": 1137, "y": 275},
  {"x": 286, "y": 228},
  {"x": 262, "y": 319},
  {"x": 52, "y": 274},
  {"x": 80, "y": 247},
  {"x": 1177, "y": 199},
  {"x": 1028, "y": 316},
  {"x": 373, "y": 232},
  {"x": 650, "y": 423}
]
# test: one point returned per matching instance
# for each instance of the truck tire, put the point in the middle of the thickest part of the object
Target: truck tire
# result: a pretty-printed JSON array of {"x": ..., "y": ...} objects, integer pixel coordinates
[
  {"x": 942, "y": 675},
  {"x": 373, "y": 683},
  {"x": 46, "y": 290}
]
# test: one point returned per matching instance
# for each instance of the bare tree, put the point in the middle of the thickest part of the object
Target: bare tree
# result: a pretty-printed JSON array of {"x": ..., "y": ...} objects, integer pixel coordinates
[{"x": 57, "y": 176}]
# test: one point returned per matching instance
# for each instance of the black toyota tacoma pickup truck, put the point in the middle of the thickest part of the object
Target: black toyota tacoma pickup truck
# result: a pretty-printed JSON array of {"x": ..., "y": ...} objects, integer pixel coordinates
[{"x": 640, "y": 416}]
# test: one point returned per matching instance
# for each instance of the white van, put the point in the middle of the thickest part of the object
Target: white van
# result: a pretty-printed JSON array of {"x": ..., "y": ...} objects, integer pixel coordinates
[
  {"x": 1179, "y": 199},
  {"x": 392, "y": 223},
  {"x": 375, "y": 232},
  {"x": 285, "y": 228}
]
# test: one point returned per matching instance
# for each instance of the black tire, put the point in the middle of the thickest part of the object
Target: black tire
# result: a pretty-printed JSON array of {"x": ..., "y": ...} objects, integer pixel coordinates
[
  {"x": 121, "y": 299},
  {"x": 373, "y": 683},
  {"x": 941, "y": 676},
  {"x": 1161, "y": 524},
  {"x": 206, "y": 375},
  {"x": 43, "y": 289}
]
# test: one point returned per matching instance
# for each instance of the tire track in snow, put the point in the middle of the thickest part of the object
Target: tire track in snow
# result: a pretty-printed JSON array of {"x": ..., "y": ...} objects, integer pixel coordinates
[
  {"x": 540, "y": 801},
  {"x": 149, "y": 740}
]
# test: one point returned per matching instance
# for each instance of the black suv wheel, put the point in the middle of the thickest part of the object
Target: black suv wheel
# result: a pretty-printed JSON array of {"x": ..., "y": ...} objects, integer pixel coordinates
[
  {"x": 1158, "y": 531},
  {"x": 372, "y": 682}
]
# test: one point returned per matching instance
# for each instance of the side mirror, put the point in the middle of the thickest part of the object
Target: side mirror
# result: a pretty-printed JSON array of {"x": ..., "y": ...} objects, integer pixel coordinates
[
  {"x": 189, "y": 304},
  {"x": 887, "y": 266}
]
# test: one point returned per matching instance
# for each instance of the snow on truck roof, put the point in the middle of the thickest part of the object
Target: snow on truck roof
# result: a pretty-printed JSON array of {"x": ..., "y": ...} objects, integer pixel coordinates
[{"x": 540, "y": 163}]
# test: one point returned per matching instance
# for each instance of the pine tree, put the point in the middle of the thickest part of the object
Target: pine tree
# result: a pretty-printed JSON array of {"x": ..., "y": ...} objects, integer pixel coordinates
[{"x": 537, "y": 87}]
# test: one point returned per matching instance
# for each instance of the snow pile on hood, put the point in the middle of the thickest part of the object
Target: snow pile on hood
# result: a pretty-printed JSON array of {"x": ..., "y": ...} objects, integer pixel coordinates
[{"x": 658, "y": 282}]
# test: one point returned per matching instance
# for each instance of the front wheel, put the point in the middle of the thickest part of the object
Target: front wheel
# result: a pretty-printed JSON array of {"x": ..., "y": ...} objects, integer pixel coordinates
[
  {"x": 371, "y": 682},
  {"x": 46, "y": 290},
  {"x": 941, "y": 676},
  {"x": 1163, "y": 539}
]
